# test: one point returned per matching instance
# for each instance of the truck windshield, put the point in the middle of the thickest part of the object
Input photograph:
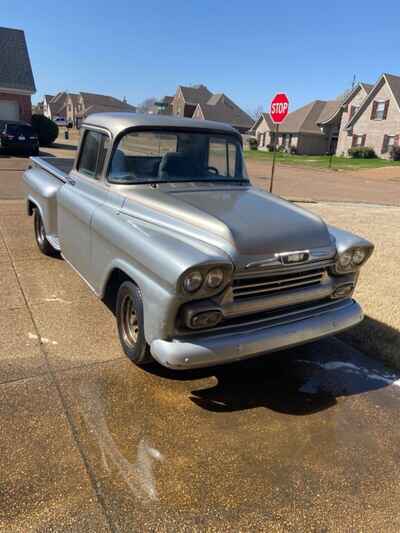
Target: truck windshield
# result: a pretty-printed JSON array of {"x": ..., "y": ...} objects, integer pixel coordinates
[{"x": 154, "y": 156}]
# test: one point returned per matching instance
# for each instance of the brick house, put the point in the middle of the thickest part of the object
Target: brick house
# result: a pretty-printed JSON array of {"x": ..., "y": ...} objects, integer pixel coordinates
[
  {"x": 200, "y": 103},
  {"x": 16, "y": 78},
  {"x": 336, "y": 123},
  {"x": 376, "y": 122},
  {"x": 300, "y": 131}
]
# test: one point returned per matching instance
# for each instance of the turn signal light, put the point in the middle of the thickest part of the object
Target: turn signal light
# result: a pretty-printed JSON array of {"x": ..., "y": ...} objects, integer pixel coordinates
[
  {"x": 342, "y": 291},
  {"x": 206, "y": 319}
]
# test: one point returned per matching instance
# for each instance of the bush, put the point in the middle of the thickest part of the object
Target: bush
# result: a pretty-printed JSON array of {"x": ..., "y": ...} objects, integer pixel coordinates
[
  {"x": 46, "y": 129},
  {"x": 293, "y": 150},
  {"x": 362, "y": 152},
  {"x": 253, "y": 144},
  {"x": 395, "y": 153}
]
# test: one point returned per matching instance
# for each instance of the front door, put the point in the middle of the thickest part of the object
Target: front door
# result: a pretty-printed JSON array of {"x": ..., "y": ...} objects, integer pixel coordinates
[{"x": 78, "y": 200}]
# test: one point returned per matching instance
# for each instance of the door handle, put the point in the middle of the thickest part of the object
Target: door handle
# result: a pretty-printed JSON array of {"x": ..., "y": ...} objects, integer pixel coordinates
[{"x": 71, "y": 181}]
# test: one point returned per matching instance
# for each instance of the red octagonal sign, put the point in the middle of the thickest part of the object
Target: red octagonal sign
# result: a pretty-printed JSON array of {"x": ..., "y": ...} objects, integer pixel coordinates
[{"x": 279, "y": 108}]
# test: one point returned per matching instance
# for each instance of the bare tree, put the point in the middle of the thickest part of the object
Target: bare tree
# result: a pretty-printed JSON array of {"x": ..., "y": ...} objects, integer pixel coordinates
[
  {"x": 147, "y": 105},
  {"x": 256, "y": 113}
]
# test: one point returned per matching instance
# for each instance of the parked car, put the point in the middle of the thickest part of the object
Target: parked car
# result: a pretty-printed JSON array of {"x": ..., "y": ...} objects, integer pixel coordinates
[
  {"x": 18, "y": 137},
  {"x": 158, "y": 215},
  {"x": 60, "y": 121}
]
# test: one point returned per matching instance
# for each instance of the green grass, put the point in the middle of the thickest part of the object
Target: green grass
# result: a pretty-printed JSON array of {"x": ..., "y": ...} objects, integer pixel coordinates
[{"x": 319, "y": 161}]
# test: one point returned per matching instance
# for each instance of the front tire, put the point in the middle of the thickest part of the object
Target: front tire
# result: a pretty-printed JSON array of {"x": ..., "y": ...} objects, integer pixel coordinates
[
  {"x": 40, "y": 236},
  {"x": 129, "y": 314}
]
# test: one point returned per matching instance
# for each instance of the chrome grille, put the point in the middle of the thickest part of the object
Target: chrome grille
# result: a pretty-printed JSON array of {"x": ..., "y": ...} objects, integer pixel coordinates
[{"x": 250, "y": 287}]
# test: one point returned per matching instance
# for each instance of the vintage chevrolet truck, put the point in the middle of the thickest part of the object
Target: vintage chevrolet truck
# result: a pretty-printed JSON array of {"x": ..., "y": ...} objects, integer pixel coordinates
[{"x": 158, "y": 216}]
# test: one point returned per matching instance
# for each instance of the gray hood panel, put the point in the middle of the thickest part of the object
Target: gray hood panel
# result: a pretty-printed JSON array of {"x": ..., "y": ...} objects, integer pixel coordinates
[{"x": 260, "y": 224}]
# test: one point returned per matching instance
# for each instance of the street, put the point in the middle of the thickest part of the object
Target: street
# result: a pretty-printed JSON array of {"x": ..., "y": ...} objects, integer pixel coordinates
[{"x": 303, "y": 440}]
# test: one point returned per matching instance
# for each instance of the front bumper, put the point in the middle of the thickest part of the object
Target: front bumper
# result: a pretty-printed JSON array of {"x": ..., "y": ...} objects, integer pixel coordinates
[{"x": 197, "y": 352}]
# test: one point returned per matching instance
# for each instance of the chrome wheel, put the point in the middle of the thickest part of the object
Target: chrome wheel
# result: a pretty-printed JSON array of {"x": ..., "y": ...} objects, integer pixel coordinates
[{"x": 130, "y": 325}]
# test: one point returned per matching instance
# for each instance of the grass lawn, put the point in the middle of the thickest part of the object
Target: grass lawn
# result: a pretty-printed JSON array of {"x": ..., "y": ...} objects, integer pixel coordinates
[{"x": 319, "y": 161}]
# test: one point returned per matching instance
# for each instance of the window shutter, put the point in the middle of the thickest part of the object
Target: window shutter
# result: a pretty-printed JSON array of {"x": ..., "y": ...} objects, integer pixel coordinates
[
  {"x": 385, "y": 112},
  {"x": 373, "y": 112},
  {"x": 385, "y": 144},
  {"x": 397, "y": 140},
  {"x": 364, "y": 138},
  {"x": 354, "y": 140}
]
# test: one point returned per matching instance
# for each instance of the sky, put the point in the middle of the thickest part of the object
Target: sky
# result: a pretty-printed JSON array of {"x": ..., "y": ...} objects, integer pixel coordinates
[{"x": 248, "y": 50}]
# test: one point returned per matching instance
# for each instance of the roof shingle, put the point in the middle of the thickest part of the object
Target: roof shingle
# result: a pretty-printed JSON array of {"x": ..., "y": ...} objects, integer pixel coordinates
[{"x": 15, "y": 66}]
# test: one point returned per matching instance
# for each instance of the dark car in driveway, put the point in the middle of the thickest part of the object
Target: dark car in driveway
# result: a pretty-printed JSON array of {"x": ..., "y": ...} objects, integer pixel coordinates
[{"x": 18, "y": 137}]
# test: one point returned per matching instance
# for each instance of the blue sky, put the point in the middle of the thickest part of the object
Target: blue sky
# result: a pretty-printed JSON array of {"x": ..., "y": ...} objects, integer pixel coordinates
[{"x": 249, "y": 50}]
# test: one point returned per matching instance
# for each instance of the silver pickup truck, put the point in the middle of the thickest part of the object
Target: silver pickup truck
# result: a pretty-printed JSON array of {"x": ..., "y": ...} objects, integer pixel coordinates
[{"x": 158, "y": 216}]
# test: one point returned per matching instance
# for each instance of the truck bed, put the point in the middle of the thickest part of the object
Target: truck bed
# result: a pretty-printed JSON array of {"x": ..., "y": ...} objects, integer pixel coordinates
[{"x": 57, "y": 166}]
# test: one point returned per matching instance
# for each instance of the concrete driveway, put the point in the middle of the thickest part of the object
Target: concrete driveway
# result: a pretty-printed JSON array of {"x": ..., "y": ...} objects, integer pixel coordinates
[{"x": 305, "y": 440}]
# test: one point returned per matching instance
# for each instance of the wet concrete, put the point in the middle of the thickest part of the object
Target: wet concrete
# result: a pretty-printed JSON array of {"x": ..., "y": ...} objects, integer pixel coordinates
[{"x": 304, "y": 440}]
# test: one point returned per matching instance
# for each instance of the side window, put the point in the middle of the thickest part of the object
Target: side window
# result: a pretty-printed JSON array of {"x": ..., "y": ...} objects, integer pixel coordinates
[{"x": 92, "y": 154}]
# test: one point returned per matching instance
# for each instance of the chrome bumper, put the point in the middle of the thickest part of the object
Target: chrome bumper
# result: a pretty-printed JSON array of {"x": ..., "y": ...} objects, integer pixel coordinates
[{"x": 197, "y": 352}]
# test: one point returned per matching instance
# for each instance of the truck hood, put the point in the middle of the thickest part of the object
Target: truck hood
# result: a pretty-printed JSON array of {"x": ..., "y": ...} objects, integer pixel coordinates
[{"x": 251, "y": 222}]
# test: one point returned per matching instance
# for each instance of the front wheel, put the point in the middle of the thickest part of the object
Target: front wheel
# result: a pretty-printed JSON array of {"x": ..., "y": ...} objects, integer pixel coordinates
[
  {"x": 129, "y": 314},
  {"x": 40, "y": 236}
]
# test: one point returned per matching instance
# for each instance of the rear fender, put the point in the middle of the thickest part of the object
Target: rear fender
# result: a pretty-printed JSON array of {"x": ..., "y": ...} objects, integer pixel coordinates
[{"x": 41, "y": 192}]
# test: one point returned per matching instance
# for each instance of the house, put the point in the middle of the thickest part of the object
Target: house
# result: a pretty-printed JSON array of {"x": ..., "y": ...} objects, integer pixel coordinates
[
  {"x": 336, "y": 123},
  {"x": 376, "y": 121},
  {"x": 88, "y": 103},
  {"x": 300, "y": 131},
  {"x": 222, "y": 109},
  {"x": 16, "y": 78},
  {"x": 56, "y": 106},
  {"x": 200, "y": 103},
  {"x": 186, "y": 99},
  {"x": 75, "y": 107}
]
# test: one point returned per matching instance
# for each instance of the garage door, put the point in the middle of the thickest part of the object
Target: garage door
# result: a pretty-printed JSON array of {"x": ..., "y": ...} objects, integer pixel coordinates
[{"x": 9, "y": 110}]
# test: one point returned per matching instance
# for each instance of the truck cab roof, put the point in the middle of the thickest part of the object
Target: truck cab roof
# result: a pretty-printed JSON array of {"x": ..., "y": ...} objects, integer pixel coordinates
[{"x": 116, "y": 123}]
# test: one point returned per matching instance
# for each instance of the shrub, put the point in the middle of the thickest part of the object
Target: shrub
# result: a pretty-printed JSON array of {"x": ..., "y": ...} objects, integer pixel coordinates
[
  {"x": 362, "y": 152},
  {"x": 395, "y": 153},
  {"x": 46, "y": 129},
  {"x": 253, "y": 144}
]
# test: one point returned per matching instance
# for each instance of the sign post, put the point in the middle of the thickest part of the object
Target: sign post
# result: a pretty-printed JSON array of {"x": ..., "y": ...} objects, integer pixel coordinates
[{"x": 278, "y": 112}]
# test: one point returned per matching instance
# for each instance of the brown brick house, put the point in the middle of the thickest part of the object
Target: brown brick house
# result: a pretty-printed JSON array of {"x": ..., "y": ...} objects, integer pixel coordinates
[
  {"x": 200, "y": 103},
  {"x": 300, "y": 131},
  {"x": 376, "y": 122},
  {"x": 16, "y": 79},
  {"x": 336, "y": 123}
]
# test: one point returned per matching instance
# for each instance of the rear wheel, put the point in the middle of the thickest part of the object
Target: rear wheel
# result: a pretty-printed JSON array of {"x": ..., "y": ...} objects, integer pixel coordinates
[
  {"x": 40, "y": 235},
  {"x": 129, "y": 313}
]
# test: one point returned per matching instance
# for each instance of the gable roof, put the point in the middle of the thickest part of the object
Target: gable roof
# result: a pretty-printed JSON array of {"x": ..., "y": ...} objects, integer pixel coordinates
[
  {"x": 326, "y": 118},
  {"x": 48, "y": 97},
  {"x": 57, "y": 103},
  {"x": 104, "y": 101},
  {"x": 198, "y": 94},
  {"x": 394, "y": 85},
  {"x": 304, "y": 119},
  {"x": 15, "y": 66},
  {"x": 224, "y": 110},
  {"x": 266, "y": 117}
]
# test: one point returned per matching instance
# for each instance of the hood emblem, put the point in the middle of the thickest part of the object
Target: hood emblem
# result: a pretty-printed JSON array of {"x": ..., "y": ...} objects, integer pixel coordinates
[{"x": 289, "y": 258}]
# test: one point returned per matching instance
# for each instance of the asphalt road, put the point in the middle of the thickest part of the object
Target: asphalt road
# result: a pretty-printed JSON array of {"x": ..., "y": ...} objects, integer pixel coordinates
[{"x": 304, "y": 440}]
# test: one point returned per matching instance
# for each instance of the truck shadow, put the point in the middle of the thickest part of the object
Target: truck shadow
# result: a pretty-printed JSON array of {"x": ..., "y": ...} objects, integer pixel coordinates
[{"x": 300, "y": 381}]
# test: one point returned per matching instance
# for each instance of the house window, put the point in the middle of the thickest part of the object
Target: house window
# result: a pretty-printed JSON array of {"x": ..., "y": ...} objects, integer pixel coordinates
[
  {"x": 379, "y": 110},
  {"x": 359, "y": 140},
  {"x": 353, "y": 110}
]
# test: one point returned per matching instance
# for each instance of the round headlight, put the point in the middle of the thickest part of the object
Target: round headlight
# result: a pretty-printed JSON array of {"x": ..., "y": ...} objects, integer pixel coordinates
[
  {"x": 193, "y": 281},
  {"x": 215, "y": 278},
  {"x": 345, "y": 259},
  {"x": 359, "y": 256}
]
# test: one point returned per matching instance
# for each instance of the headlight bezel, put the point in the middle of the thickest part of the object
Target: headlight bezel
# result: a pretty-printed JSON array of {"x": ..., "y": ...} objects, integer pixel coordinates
[
  {"x": 341, "y": 268},
  {"x": 204, "y": 289}
]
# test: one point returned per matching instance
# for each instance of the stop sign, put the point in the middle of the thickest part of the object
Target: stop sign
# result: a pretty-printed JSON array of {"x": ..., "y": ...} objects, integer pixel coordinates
[{"x": 279, "y": 108}]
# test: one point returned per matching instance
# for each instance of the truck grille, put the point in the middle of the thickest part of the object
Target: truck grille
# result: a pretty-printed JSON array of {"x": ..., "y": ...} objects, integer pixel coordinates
[{"x": 265, "y": 285}]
